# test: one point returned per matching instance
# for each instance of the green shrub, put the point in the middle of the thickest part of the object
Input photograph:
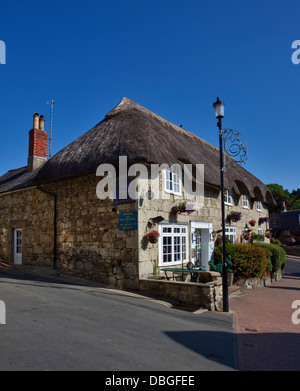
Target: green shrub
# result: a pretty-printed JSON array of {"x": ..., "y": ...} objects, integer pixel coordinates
[
  {"x": 276, "y": 253},
  {"x": 250, "y": 261},
  {"x": 257, "y": 237},
  {"x": 218, "y": 252}
]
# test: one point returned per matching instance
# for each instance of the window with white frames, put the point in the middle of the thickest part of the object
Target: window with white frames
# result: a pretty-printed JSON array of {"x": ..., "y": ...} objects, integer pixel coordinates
[
  {"x": 245, "y": 202},
  {"x": 230, "y": 233},
  {"x": 259, "y": 206},
  {"x": 173, "y": 179},
  {"x": 173, "y": 244},
  {"x": 260, "y": 231},
  {"x": 227, "y": 197}
]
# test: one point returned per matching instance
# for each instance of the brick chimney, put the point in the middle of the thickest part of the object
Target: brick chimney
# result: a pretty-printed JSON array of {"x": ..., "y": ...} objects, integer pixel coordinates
[{"x": 37, "y": 155}]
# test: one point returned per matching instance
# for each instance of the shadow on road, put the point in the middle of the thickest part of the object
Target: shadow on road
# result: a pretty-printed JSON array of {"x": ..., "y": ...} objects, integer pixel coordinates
[{"x": 255, "y": 351}]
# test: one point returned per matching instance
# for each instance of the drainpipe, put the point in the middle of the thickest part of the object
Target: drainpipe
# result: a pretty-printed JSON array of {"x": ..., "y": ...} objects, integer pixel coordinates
[{"x": 55, "y": 218}]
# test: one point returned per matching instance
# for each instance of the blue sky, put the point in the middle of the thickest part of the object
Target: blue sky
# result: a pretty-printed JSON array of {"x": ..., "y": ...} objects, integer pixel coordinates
[{"x": 173, "y": 57}]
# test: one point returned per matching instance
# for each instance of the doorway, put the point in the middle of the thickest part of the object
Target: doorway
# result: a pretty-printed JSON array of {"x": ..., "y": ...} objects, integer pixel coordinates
[
  {"x": 18, "y": 246},
  {"x": 201, "y": 243}
]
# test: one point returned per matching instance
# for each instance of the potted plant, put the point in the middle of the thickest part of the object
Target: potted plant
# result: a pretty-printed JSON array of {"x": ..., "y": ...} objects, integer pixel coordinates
[
  {"x": 252, "y": 222},
  {"x": 152, "y": 236},
  {"x": 234, "y": 216},
  {"x": 268, "y": 235},
  {"x": 246, "y": 236},
  {"x": 262, "y": 220},
  {"x": 181, "y": 208}
]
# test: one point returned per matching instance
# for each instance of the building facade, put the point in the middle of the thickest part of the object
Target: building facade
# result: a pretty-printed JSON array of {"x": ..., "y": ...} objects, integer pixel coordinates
[{"x": 51, "y": 214}]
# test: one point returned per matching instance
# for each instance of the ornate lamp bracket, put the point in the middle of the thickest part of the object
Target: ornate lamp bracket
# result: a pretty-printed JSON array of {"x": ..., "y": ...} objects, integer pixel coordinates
[{"x": 235, "y": 145}]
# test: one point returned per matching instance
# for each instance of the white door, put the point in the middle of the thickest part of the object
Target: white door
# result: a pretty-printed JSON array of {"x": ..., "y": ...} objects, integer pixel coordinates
[
  {"x": 197, "y": 245},
  {"x": 201, "y": 242},
  {"x": 18, "y": 246}
]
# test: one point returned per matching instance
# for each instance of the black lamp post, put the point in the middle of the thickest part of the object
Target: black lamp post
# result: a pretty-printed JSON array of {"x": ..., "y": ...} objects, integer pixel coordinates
[{"x": 219, "y": 112}]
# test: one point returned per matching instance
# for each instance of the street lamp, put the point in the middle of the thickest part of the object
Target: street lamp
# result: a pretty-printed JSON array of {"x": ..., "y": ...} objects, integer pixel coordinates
[{"x": 219, "y": 112}]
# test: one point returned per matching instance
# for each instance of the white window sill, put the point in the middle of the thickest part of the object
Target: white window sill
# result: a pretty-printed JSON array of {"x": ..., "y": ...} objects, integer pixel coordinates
[
  {"x": 173, "y": 192},
  {"x": 167, "y": 264}
]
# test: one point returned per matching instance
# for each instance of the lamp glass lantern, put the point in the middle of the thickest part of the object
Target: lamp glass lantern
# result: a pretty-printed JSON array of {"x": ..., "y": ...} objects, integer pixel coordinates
[
  {"x": 219, "y": 108},
  {"x": 246, "y": 228}
]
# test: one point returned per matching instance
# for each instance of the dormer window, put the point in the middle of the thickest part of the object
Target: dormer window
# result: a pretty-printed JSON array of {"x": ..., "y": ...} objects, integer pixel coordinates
[
  {"x": 227, "y": 197},
  {"x": 245, "y": 202},
  {"x": 173, "y": 180}
]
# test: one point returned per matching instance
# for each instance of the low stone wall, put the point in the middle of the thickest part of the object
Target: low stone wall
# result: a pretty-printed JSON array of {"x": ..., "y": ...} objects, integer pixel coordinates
[
  {"x": 201, "y": 295},
  {"x": 255, "y": 283}
]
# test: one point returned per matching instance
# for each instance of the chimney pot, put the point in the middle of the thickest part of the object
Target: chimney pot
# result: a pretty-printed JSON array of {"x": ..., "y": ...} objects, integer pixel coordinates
[
  {"x": 42, "y": 123},
  {"x": 35, "y": 121}
]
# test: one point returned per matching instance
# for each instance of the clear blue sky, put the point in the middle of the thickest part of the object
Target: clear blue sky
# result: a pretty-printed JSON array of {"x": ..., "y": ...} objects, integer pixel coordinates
[{"x": 173, "y": 57}]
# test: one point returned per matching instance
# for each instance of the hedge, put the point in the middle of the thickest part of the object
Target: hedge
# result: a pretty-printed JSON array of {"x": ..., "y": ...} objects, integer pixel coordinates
[
  {"x": 248, "y": 261},
  {"x": 277, "y": 254}
]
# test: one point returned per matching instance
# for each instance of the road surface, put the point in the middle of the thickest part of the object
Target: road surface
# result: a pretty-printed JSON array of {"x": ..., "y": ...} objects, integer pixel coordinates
[{"x": 57, "y": 325}]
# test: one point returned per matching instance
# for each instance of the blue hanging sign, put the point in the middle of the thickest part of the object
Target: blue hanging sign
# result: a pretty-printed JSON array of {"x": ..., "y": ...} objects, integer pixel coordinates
[{"x": 128, "y": 221}]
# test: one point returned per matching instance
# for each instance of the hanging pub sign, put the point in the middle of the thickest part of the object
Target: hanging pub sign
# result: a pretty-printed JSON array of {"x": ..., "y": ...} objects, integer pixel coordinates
[{"x": 128, "y": 221}]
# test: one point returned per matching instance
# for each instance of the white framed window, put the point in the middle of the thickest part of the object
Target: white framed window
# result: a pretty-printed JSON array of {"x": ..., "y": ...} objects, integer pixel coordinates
[
  {"x": 258, "y": 206},
  {"x": 245, "y": 202},
  {"x": 260, "y": 231},
  {"x": 173, "y": 241},
  {"x": 173, "y": 179},
  {"x": 227, "y": 197},
  {"x": 230, "y": 233}
]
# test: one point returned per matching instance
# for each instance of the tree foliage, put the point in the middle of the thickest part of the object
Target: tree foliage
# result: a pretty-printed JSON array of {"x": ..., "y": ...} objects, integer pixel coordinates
[{"x": 284, "y": 198}]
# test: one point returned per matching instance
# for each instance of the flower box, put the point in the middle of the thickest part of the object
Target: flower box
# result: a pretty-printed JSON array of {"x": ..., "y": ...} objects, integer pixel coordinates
[{"x": 181, "y": 208}]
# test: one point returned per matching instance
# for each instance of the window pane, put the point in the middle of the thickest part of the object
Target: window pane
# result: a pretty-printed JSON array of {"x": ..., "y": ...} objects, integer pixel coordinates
[
  {"x": 173, "y": 179},
  {"x": 174, "y": 244}
]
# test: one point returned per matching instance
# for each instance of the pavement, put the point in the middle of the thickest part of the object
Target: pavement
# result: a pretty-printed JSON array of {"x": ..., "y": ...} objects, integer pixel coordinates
[{"x": 266, "y": 337}]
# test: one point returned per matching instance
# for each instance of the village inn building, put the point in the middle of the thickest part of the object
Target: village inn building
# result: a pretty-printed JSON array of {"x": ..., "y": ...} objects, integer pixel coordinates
[{"x": 50, "y": 214}]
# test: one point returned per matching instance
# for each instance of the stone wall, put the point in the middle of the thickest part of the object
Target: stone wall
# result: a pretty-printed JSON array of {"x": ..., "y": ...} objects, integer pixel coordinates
[
  {"x": 207, "y": 296},
  {"x": 255, "y": 283},
  {"x": 33, "y": 212},
  {"x": 89, "y": 243}
]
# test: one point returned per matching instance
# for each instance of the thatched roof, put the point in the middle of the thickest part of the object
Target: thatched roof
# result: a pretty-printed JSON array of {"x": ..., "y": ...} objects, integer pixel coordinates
[{"x": 134, "y": 131}]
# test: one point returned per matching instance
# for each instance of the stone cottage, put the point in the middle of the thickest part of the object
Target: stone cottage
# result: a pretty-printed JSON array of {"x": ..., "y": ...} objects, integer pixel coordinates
[{"x": 50, "y": 214}]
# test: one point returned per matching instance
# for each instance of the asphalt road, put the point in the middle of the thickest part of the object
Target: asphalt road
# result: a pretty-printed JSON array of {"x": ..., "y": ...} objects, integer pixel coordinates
[
  {"x": 54, "y": 325},
  {"x": 292, "y": 267}
]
